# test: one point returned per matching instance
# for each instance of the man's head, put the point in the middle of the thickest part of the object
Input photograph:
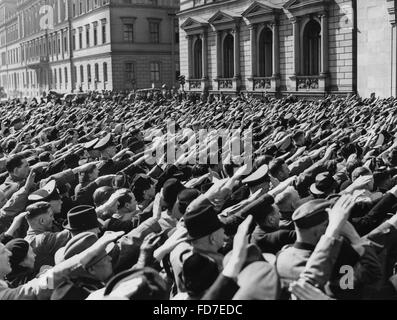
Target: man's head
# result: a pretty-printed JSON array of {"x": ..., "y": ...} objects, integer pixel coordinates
[
  {"x": 299, "y": 138},
  {"x": 18, "y": 167},
  {"x": 311, "y": 220},
  {"x": 127, "y": 202},
  {"x": 100, "y": 267},
  {"x": 5, "y": 265},
  {"x": 106, "y": 147},
  {"x": 204, "y": 228},
  {"x": 259, "y": 179},
  {"x": 40, "y": 216},
  {"x": 324, "y": 185},
  {"x": 82, "y": 219},
  {"x": 17, "y": 123},
  {"x": 22, "y": 254},
  {"x": 279, "y": 169},
  {"x": 288, "y": 201},
  {"x": 171, "y": 188},
  {"x": 49, "y": 193}
]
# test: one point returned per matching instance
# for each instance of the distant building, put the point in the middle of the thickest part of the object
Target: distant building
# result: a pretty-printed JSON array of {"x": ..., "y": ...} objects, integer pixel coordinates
[
  {"x": 94, "y": 45},
  {"x": 302, "y": 47}
]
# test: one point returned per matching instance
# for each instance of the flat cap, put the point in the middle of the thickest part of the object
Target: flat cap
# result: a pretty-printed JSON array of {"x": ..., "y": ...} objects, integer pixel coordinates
[{"x": 311, "y": 214}]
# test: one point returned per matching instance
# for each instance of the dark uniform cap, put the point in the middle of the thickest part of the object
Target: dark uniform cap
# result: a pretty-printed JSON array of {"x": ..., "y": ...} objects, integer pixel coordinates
[
  {"x": 259, "y": 176},
  {"x": 311, "y": 214},
  {"x": 48, "y": 192},
  {"x": 104, "y": 142},
  {"x": 91, "y": 144}
]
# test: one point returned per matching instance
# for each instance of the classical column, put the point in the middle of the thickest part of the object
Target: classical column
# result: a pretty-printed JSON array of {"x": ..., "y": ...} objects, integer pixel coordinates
[
  {"x": 276, "y": 49},
  {"x": 190, "y": 56},
  {"x": 236, "y": 43},
  {"x": 66, "y": 9},
  {"x": 219, "y": 54},
  {"x": 296, "y": 33},
  {"x": 59, "y": 10},
  {"x": 205, "y": 54},
  {"x": 252, "y": 28},
  {"x": 324, "y": 43}
]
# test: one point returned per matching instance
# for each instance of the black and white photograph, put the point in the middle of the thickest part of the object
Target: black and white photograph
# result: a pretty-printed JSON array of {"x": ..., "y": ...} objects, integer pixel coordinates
[{"x": 212, "y": 151}]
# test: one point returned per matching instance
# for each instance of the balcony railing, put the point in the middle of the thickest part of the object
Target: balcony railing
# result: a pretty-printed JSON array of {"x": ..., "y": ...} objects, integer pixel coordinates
[
  {"x": 264, "y": 83},
  {"x": 37, "y": 62},
  {"x": 308, "y": 83}
]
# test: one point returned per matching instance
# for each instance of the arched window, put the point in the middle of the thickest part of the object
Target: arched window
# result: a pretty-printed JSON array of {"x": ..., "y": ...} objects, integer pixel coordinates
[
  {"x": 228, "y": 56},
  {"x": 312, "y": 48},
  {"x": 266, "y": 53},
  {"x": 198, "y": 57}
]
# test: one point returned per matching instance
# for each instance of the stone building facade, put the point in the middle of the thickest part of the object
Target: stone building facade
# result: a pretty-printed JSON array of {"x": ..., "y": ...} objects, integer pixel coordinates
[
  {"x": 91, "y": 45},
  {"x": 302, "y": 47}
]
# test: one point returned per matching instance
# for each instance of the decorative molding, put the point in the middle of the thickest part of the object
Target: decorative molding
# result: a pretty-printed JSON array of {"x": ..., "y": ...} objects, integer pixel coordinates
[
  {"x": 304, "y": 7},
  {"x": 258, "y": 12},
  {"x": 193, "y": 26},
  {"x": 391, "y": 9},
  {"x": 222, "y": 20}
]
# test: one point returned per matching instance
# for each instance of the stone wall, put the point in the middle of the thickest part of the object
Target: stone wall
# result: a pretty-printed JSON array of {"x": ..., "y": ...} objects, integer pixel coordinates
[{"x": 340, "y": 43}]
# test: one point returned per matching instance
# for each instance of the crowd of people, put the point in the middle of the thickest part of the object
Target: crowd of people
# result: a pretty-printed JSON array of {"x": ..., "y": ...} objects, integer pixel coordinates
[{"x": 89, "y": 211}]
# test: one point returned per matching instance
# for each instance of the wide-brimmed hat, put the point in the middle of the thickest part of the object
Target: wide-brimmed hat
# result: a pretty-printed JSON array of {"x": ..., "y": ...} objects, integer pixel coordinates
[
  {"x": 324, "y": 184},
  {"x": 201, "y": 221},
  {"x": 82, "y": 218}
]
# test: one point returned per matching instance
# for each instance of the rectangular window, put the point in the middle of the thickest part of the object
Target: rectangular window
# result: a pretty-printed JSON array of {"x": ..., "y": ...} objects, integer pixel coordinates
[
  {"x": 89, "y": 73},
  {"x": 154, "y": 71},
  {"x": 176, "y": 29},
  {"x": 129, "y": 71},
  {"x": 95, "y": 35},
  {"x": 154, "y": 29},
  {"x": 105, "y": 72},
  {"x": 128, "y": 34},
  {"x": 80, "y": 39},
  {"x": 103, "y": 33},
  {"x": 87, "y": 36},
  {"x": 74, "y": 40}
]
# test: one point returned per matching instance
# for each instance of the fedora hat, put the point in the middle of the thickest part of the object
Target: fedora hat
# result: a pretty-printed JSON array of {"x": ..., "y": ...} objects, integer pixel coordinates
[
  {"x": 201, "y": 221},
  {"x": 82, "y": 218},
  {"x": 324, "y": 184}
]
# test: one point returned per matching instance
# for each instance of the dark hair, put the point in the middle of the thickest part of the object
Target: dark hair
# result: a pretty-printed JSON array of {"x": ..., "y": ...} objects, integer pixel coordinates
[
  {"x": 14, "y": 162},
  {"x": 275, "y": 166},
  {"x": 84, "y": 177},
  {"x": 37, "y": 209},
  {"x": 126, "y": 198},
  {"x": 45, "y": 156},
  {"x": 11, "y": 144},
  {"x": 144, "y": 185},
  {"x": 101, "y": 195},
  {"x": 199, "y": 170}
]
